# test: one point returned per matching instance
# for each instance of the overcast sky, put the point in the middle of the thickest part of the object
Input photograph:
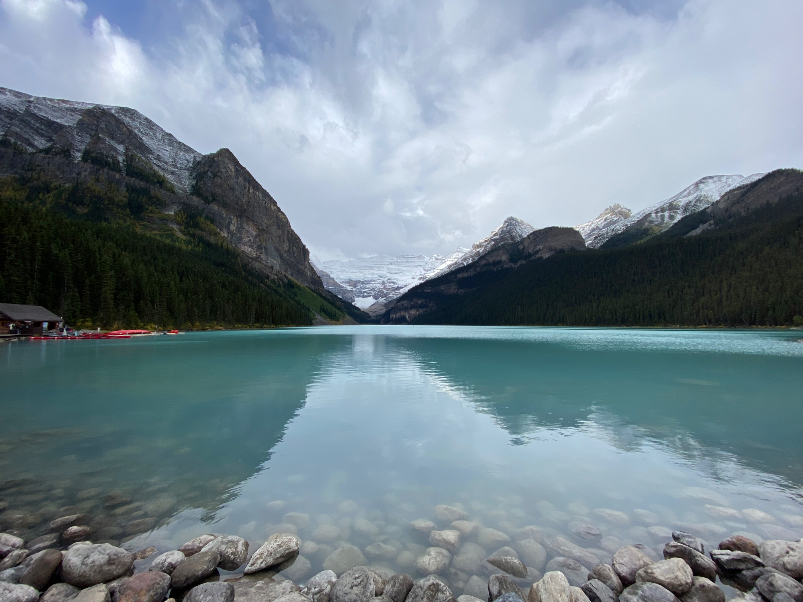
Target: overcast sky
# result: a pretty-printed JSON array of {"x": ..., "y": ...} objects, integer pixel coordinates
[{"x": 412, "y": 127}]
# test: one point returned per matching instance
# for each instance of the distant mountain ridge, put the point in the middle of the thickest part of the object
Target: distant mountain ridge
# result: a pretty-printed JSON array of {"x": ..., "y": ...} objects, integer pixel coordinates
[
  {"x": 613, "y": 224},
  {"x": 75, "y": 140}
]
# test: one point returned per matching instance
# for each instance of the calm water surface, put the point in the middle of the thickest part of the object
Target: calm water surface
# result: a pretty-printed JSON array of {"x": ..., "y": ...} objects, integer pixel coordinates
[{"x": 366, "y": 428}]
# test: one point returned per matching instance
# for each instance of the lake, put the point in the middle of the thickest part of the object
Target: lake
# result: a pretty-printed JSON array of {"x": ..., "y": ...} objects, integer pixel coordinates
[{"x": 345, "y": 435}]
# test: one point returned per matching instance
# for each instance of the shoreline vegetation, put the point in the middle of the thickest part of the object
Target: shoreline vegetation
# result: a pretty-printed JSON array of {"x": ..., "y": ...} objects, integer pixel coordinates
[{"x": 451, "y": 557}]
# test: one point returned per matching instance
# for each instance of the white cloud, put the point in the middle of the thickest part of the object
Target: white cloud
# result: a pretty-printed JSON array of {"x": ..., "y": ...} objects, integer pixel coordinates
[{"x": 399, "y": 126}]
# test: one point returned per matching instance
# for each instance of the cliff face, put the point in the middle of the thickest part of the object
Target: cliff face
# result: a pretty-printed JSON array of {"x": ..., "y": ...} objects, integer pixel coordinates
[
  {"x": 250, "y": 218},
  {"x": 72, "y": 141},
  {"x": 540, "y": 244}
]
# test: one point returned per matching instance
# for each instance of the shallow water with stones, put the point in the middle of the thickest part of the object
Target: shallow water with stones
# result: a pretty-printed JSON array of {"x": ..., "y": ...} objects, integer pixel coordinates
[{"x": 347, "y": 435}]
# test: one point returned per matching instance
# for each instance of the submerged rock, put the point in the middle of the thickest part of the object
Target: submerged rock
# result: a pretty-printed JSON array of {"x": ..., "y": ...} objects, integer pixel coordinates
[
  {"x": 434, "y": 560},
  {"x": 448, "y": 539},
  {"x": 449, "y": 514},
  {"x": 343, "y": 559},
  {"x": 506, "y": 560}
]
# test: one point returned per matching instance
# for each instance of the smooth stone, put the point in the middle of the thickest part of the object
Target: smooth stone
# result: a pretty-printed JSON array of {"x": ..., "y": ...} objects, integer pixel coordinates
[
  {"x": 150, "y": 586},
  {"x": 381, "y": 550},
  {"x": 448, "y": 539},
  {"x": 344, "y": 558},
  {"x": 596, "y": 591},
  {"x": 398, "y": 587},
  {"x": 327, "y": 533},
  {"x": 606, "y": 574},
  {"x": 700, "y": 565},
  {"x": 9, "y": 543},
  {"x": 60, "y": 524},
  {"x": 772, "y": 584},
  {"x": 506, "y": 560},
  {"x": 499, "y": 585},
  {"x": 298, "y": 519},
  {"x": 275, "y": 506},
  {"x": 196, "y": 544},
  {"x": 44, "y": 542},
  {"x": 76, "y": 533},
  {"x": 96, "y": 593},
  {"x": 491, "y": 538},
  {"x": 531, "y": 553},
  {"x": 532, "y": 532},
  {"x": 12, "y": 575},
  {"x": 469, "y": 557},
  {"x": 59, "y": 592},
  {"x": 553, "y": 587},
  {"x": 687, "y": 539},
  {"x": 166, "y": 563},
  {"x": 379, "y": 582},
  {"x": 434, "y": 560},
  {"x": 13, "y": 559},
  {"x": 704, "y": 590},
  {"x": 468, "y": 598},
  {"x": 615, "y": 517},
  {"x": 466, "y": 527},
  {"x": 355, "y": 585},
  {"x": 701, "y": 493},
  {"x": 739, "y": 543},
  {"x": 405, "y": 559},
  {"x": 218, "y": 591},
  {"x": 430, "y": 589},
  {"x": 87, "y": 565},
  {"x": 585, "y": 531},
  {"x": 299, "y": 568},
  {"x": 735, "y": 561},
  {"x": 673, "y": 574},
  {"x": 757, "y": 516},
  {"x": 320, "y": 586},
  {"x": 628, "y": 561},
  {"x": 233, "y": 551},
  {"x": 647, "y": 592},
  {"x": 194, "y": 569},
  {"x": 12, "y": 592},
  {"x": 563, "y": 547},
  {"x": 477, "y": 587},
  {"x": 449, "y": 514},
  {"x": 41, "y": 570},
  {"x": 646, "y": 516},
  {"x": 784, "y": 556},
  {"x": 423, "y": 525},
  {"x": 578, "y": 595},
  {"x": 366, "y": 528},
  {"x": 575, "y": 572},
  {"x": 278, "y": 548},
  {"x": 721, "y": 511}
]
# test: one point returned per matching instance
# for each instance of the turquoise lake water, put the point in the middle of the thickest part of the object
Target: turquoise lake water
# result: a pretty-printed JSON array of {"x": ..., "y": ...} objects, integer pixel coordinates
[{"x": 367, "y": 428}]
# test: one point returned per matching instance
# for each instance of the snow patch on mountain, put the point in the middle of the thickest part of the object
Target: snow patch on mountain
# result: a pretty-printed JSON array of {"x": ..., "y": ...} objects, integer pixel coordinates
[{"x": 664, "y": 214}]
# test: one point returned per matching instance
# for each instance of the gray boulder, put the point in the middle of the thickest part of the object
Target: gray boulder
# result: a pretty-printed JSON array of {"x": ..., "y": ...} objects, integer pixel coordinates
[
  {"x": 150, "y": 586},
  {"x": 96, "y": 593},
  {"x": 628, "y": 561},
  {"x": 596, "y": 591},
  {"x": 194, "y": 569},
  {"x": 585, "y": 531},
  {"x": 85, "y": 565},
  {"x": 563, "y": 547},
  {"x": 218, "y": 591},
  {"x": 344, "y": 558},
  {"x": 606, "y": 574},
  {"x": 575, "y": 572},
  {"x": 700, "y": 565},
  {"x": 295, "y": 569},
  {"x": 355, "y": 585},
  {"x": 398, "y": 586},
  {"x": 41, "y": 569},
  {"x": 430, "y": 589},
  {"x": 233, "y": 551},
  {"x": 166, "y": 563},
  {"x": 728, "y": 560},
  {"x": 687, "y": 539},
  {"x": 647, "y": 592},
  {"x": 505, "y": 559},
  {"x": 499, "y": 585},
  {"x": 491, "y": 539},
  {"x": 553, "y": 587},
  {"x": 278, "y": 548},
  {"x": 434, "y": 560},
  {"x": 772, "y": 584},
  {"x": 704, "y": 590},
  {"x": 320, "y": 586},
  {"x": 448, "y": 539},
  {"x": 784, "y": 556},
  {"x": 11, "y": 592},
  {"x": 673, "y": 574},
  {"x": 59, "y": 592}
]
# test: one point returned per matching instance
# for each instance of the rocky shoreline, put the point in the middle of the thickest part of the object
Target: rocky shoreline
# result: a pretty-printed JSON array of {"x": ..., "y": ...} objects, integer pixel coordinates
[{"x": 64, "y": 565}]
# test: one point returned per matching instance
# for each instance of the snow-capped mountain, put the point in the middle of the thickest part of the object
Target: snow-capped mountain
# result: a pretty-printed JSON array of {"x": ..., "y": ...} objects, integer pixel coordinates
[
  {"x": 663, "y": 215},
  {"x": 38, "y": 123},
  {"x": 371, "y": 282},
  {"x": 512, "y": 230}
]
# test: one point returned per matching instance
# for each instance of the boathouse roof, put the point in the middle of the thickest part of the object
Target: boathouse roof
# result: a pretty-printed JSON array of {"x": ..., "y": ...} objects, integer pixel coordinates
[{"x": 27, "y": 313}]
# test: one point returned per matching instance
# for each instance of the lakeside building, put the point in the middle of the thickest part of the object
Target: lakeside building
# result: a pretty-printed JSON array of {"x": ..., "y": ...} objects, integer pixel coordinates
[{"x": 26, "y": 319}]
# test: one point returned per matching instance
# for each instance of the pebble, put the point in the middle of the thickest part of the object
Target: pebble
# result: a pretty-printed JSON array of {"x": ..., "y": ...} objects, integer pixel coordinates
[
  {"x": 430, "y": 589},
  {"x": 772, "y": 584},
  {"x": 615, "y": 517},
  {"x": 585, "y": 531},
  {"x": 278, "y": 548},
  {"x": 319, "y": 586},
  {"x": 76, "y": 533},
  {"x": 695, "y": 543},
  {"x": 145, "y": 553},
  {"x": 219, "y": 591},
  {"x": 465, "y": 527},
  {"x": 531, "y": 553},
  {"x": 469, "y": 557},
  {"x": 381, "y": 550},
  {"x": 563, "y": 547},
  {"x": 13, "y": 559},
  {"x": 327, "y": 533},
  {"x": 298, "y": 519},
  {"x": 296, "y": 568},
  {"x": 85, "y": 565},
  {"x": 476, "y": 587},
  {"x": 578, "y": 595},
  {"x": 757, "y": 516},
  {"x": 422, "y": 525}
]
